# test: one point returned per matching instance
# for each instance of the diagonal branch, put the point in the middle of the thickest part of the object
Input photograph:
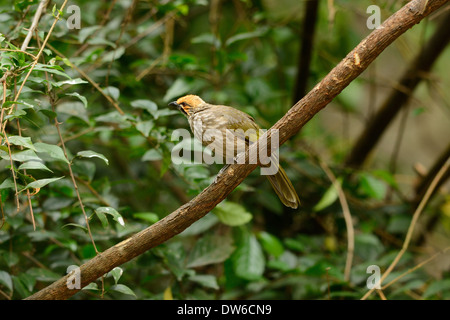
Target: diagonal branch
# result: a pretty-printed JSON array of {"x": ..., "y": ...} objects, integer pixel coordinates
[
  {"x": 34, "y": 24},
  {"x": 322, "y": 94}
]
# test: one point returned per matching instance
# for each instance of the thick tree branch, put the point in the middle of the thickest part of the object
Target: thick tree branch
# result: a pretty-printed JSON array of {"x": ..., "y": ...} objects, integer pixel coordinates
[
  {"x": 401, "y": 94},
  {"x": 340, "y": 77}
]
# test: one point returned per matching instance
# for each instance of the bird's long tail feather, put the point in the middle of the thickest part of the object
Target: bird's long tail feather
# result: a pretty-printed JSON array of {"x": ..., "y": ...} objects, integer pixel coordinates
[{"x": 284, "y": 189}]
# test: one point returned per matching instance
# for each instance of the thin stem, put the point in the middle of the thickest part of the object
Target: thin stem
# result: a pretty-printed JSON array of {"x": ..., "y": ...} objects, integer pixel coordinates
[
  {"x": 347, "y": 217},
  {"x": 34, "y": 24},
  {"x": 416, "y": 216},
  {"x": 74, "y": 181},
  {"x": 39, "y": 54},
  {"x": 420, "y": 265}
]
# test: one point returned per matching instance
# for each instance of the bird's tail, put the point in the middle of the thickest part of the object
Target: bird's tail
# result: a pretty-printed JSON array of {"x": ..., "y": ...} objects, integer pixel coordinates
[{"x": 284, "y": 188}]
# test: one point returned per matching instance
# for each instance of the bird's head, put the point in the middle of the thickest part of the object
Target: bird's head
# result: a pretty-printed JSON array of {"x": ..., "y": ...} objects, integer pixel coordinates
[{"x": 189, "y": 104}]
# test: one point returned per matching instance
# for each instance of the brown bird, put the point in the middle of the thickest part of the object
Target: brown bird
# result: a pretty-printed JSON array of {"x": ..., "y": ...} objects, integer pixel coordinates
[{"x": 237, "y": 130}]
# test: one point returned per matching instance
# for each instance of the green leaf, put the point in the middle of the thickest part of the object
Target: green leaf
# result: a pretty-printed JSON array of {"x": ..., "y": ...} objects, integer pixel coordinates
[
  {"x": 17, "y": 114},
  {"x": 147, "y": 216},
  {"x": 22, "y": 156},
  {"x": 210, "y": 249},
  {"x": 148, "y": 105},
  {"x": 113, "y": 92},
  {"x": 7, "y": 184},
  {"x": 40, "y": 183},
  {"x": 164, "y": 113},
  {"x": 436, "y": 287},
  {"x": 91, "y": 286},
  {"x": 248, "y": 259},
  {"x": 116, "y": 273},
  {"x": 103, "y": 219},
  {"x": 115, "y": 117},
  {"x": 43, "y": 274},
  {"x": 113, "y": 55},
  {"x": 51, "y": 69},
  {"x": 73, "y": 109},
  {"x": 207, "y": 38},
  {"x": 368, "y": 246},
  {"x": 21, "y": 141},
  {"x": 245, "y": 36},
  {"x": 177, "y": 89},
  {"x": 329, "y": 197},
  {"x": 48, "y": 113},
  {"x": 79, "y": 96},
  {"x": 86, "y": 32},
  {"x": 388, "y": 177},
  {"x": 232, "y": 214},
  {"x": 76, "y": 225},
  {"x": 373, "y": 187},
  {"x": 113, "y": 212},
  {"x": 19, "y": 288},
  {"x": 271, "y": 244},
  {"x": 34, "y": 165},
  {"x": 145, "y": 127},
  {"x": 152, "y": 155},
  {"x": 92, "y": 154},
  {"x": 6, "y": 280},
  {"x": 53, "y": 151},
  {"x": 123, "y": 289},
  {"x": 206, "y": 280},
  {"x": 70, "y": 82}
]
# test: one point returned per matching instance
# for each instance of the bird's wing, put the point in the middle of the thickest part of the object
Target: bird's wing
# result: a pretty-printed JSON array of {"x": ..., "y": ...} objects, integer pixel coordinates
[{"x": 242, "y": 125}]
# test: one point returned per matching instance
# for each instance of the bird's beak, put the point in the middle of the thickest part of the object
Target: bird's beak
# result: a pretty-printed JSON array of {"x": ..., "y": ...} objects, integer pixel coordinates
[
  {"x": 174, "y": 104},
  {"x": 179, "y": 107}
]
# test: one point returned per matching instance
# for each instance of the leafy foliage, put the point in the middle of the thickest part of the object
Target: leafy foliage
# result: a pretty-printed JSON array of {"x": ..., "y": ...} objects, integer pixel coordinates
[{"x": 86, "y": 147}]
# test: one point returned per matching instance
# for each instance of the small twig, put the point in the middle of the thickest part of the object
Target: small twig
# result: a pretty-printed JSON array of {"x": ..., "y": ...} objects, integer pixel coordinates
[
  {"x": 34, "y": 260},
  {"x": 5, "y": 295},
  {"x": 19, "y": 129},
  {"x": 149, "y": 68},
  {"x": 34, "y": 24},
  {"x": 69, "y": 164},
  {"x": 347, "y": 217},
  {"x": 38, "y": 55},
  {"x": 21, "y": 51},
  {"x": 12, "y": 168},
  {"x": 412, "y": 226},
  {"x": 381, "y": 294},
  {"x": 420, "y": 265},
  {"x": 77, "y": 135},
  {"x": 74, "y": 181},
  {"x": 94, "y": 192}
]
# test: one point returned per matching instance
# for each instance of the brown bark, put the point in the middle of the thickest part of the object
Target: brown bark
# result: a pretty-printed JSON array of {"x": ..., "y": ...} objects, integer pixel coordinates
[{"x": 347, "y": 70}]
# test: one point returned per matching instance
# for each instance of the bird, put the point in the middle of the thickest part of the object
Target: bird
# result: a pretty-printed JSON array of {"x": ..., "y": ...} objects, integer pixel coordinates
[{"x": 205, "y": 119}]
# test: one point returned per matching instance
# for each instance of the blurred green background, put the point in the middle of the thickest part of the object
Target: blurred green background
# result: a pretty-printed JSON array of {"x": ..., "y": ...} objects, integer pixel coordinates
[{"x": 144, "y": 54}]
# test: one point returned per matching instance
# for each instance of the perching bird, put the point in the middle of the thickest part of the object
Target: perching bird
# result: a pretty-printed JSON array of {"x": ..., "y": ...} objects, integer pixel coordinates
[{"x": 206, "y": 119}]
